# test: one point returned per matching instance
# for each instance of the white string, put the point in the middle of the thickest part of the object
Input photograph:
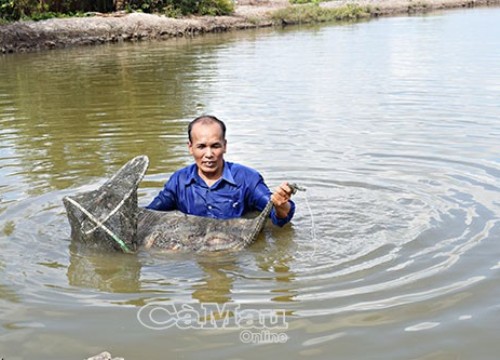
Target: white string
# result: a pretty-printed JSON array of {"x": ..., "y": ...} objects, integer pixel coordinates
[
  {"x": 100, "y": 224},
  {"x": 313, "y": 226}
]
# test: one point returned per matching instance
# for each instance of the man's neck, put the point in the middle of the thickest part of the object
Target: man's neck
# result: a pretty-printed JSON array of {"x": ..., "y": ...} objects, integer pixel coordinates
[{"x": 210, "y": 179}]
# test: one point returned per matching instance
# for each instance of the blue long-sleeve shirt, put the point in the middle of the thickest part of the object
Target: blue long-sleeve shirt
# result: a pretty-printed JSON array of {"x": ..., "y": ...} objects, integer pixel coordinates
[{"x": 239, "y": 190}]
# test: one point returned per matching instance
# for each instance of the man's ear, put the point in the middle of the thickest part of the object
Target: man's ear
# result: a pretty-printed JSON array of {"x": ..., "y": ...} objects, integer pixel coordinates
[
  {"x": 190, "y": 147},
  {"x": 225, "y": 146}
]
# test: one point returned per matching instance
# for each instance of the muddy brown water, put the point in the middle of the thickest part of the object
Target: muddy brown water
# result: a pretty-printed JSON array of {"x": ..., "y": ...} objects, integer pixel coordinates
[{"x": 391, "y": 125}]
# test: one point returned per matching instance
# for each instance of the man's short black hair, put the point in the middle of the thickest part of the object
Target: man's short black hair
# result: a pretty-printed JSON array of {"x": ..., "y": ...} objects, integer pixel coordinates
[{"x": 207, "y": 119}]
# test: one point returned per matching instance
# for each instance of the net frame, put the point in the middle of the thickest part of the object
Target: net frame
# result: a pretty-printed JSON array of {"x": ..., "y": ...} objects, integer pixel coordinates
[{"x": 108, "y": 215}]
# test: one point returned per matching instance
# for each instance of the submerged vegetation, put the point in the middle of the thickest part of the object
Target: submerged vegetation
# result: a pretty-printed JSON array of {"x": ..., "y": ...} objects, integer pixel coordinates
[{"x": 12, "y": 10}]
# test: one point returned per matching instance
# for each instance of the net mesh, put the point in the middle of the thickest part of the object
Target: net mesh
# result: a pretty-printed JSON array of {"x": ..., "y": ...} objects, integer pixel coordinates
[{"x": 108, "y": 216}]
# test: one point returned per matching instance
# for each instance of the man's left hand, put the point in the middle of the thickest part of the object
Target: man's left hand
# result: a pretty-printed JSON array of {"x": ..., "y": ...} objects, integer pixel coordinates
[{"x": 281, "y": 198}]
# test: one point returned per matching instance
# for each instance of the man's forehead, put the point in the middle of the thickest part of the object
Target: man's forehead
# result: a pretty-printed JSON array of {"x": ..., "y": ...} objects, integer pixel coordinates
[
  {"x": 208, "y": 141},
  {"x": 207, "y": 130},
  {"x": 206, "y": 124}
]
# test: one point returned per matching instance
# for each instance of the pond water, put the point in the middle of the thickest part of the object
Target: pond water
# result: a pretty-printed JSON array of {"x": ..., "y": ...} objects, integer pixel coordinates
[{"x": 393, "y": 127}]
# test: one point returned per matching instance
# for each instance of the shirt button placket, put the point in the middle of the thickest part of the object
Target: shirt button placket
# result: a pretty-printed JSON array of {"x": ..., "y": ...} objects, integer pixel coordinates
[{"x": 209, "y": 201}]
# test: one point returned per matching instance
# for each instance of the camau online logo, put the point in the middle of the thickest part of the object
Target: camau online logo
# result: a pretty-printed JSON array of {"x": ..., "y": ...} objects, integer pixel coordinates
[{"x": 256, "y": 325}]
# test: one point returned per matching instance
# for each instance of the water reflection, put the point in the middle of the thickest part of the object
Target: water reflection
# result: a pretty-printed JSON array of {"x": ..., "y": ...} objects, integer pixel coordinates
[
  {"x": 8, "y": 294},
  {"x": 400, "y": 158},
  {"x": 217, "y": 283},
  {"x": 79, "y": 112},
  {"x": 110, "y": 272},
  {"x": 120, "y": 273}
]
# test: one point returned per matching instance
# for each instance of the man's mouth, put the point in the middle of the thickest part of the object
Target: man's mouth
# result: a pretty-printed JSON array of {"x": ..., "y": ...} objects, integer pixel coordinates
[{"x": 209, "y": 163}]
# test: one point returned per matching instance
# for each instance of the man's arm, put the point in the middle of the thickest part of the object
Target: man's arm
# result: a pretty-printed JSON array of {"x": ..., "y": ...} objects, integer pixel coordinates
[
  {"x": 165, "y": 200},
  {"x": 284, "y": 208}
]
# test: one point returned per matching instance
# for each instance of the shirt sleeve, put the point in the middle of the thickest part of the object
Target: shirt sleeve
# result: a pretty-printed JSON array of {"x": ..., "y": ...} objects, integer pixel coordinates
[
  {"x": 282, "y": 221},
  {"x": 165, "y": 200},
  {"x": 261, "y": 196}
]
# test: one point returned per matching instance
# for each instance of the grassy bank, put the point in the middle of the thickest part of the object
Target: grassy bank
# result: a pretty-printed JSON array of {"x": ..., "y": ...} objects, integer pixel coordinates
[
  {"x": 313, "y": 13},
  {"x": 27, "y": 36},
  {"x": 318, "y": 12},
  {"x": 14, "y": 10}
]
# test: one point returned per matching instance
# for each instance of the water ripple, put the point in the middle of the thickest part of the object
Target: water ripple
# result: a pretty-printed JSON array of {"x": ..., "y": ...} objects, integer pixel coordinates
[{"x": 397, "y": 231}]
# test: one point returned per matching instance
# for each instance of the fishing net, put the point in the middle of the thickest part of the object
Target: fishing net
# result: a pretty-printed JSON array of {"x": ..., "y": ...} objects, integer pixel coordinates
[{"x": 108, "y": 216}]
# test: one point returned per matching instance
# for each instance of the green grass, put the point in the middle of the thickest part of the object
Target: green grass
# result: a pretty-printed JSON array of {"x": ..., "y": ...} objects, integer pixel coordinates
[{"x": 311, "y": 13}]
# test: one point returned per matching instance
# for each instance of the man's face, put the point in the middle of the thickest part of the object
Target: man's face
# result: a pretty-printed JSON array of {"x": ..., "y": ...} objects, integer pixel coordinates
[{"x": 208, "y": 147}]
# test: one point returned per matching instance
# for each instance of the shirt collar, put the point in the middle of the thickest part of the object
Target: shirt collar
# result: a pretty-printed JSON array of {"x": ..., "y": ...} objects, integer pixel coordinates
[
  {"x": 227, "y": 175},
  {"x": 193, "y": 176}
]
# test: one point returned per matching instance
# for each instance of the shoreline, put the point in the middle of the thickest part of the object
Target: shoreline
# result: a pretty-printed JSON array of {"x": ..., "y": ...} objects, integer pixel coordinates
[{"x": 30, "y": 36}]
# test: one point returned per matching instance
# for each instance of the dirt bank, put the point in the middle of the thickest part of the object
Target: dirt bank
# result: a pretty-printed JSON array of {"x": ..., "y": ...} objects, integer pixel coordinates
[{"x": 118, "y": 27}]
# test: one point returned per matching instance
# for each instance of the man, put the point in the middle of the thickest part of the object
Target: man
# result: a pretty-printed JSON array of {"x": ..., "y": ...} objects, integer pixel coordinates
[{"x": 217, "y": 188}]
